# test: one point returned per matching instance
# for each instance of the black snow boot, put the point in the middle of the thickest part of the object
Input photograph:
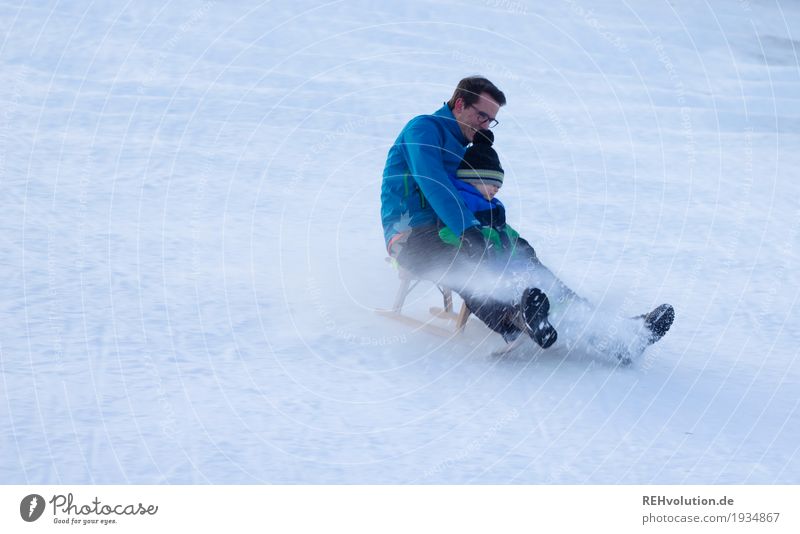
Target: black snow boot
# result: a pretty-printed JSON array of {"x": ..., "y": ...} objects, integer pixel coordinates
[
  {"x": 659, "y": 321},
  {"x": 535, "y": 307}
]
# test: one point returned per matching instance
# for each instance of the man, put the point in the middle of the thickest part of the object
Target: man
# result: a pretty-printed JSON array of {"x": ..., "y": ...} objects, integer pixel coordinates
[
  {"x": 418, "y": 199},
  {"x": 417, "y": 189}
]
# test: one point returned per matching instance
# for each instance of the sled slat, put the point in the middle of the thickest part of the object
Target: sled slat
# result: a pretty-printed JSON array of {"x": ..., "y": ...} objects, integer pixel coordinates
[
  {"x": 441, "y": 313},
  {"x": 422, "y": 325}
]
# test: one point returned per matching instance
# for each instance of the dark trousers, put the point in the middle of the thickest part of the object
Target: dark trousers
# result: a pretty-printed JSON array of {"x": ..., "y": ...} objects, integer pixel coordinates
[{"x": 480, "y": 283}]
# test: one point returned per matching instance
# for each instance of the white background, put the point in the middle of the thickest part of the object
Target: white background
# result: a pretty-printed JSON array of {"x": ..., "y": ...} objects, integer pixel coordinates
[{"x": 403, "y": 509}]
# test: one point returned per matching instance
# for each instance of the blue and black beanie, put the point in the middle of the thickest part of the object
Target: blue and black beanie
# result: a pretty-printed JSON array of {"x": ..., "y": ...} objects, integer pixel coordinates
[{"x": 480, "y": 163}]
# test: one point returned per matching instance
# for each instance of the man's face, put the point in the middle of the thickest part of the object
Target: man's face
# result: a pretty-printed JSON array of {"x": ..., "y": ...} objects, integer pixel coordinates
[{"x": 475, "y": 116}]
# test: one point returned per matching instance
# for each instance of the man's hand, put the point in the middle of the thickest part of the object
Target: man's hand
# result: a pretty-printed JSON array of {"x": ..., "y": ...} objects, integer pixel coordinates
[{"x": 473, "y": 243}]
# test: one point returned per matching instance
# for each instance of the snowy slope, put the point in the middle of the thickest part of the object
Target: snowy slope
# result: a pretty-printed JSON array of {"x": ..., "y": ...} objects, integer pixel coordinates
[{"x": 192, "y": 248}]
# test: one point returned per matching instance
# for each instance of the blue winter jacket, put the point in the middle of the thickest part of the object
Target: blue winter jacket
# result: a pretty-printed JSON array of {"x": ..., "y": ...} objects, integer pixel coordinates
[
  {"x": 417, "y": 188},
  {"x": 489, "y": 213}
]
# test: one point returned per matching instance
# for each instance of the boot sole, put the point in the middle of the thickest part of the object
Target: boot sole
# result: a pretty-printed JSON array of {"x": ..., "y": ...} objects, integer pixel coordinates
[{"x": 535, "y": 313}]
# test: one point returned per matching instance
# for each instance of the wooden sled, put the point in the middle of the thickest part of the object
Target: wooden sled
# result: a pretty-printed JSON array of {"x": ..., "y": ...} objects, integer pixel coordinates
[{"x": 407, "y": 284}]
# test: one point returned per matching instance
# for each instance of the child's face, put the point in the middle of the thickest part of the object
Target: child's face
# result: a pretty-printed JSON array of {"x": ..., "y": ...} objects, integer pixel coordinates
[{"x": 488, "y": 191}]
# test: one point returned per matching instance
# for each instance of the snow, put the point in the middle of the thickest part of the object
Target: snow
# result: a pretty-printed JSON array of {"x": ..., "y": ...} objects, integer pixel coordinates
[{"x": 192, "y": 248}]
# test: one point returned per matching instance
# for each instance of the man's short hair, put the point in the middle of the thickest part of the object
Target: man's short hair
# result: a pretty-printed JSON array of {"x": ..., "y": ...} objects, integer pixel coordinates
[{"x": 470, "y": 89}]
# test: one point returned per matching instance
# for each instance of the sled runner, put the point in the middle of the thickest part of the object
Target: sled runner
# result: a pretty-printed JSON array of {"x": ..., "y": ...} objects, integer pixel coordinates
[{"x": 446, "y": 312}]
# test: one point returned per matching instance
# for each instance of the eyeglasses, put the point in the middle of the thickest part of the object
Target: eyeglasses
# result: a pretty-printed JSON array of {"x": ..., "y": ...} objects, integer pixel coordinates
[{"x": 484, "y": 118}]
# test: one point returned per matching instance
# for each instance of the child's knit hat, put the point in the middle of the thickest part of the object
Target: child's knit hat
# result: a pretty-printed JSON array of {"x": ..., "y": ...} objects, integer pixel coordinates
[{"x": 480, "y": 163}]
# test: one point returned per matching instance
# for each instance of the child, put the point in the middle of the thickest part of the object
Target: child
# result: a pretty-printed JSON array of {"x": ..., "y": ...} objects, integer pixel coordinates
[{"x": 478, "y": 179}]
